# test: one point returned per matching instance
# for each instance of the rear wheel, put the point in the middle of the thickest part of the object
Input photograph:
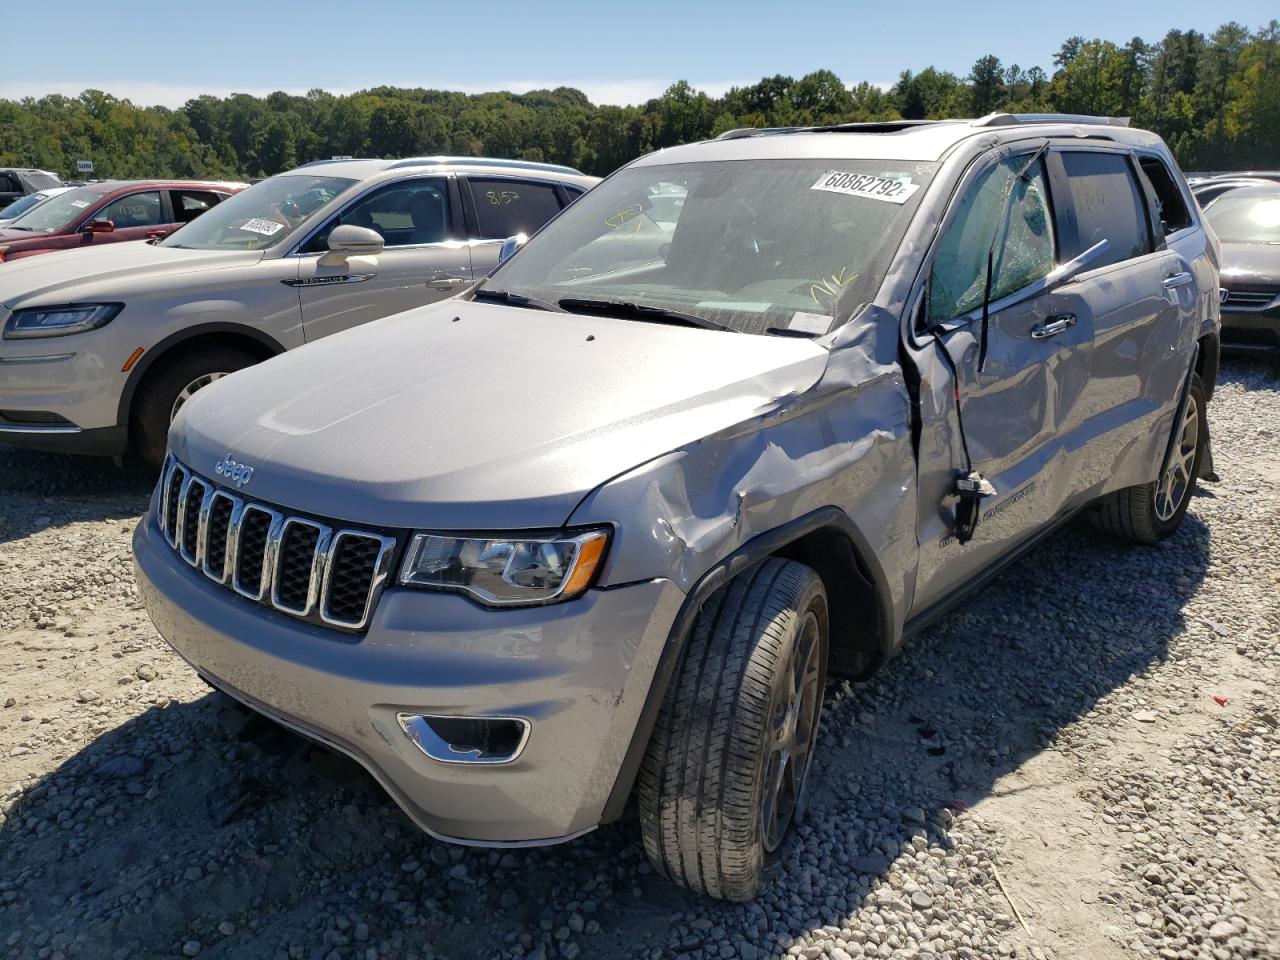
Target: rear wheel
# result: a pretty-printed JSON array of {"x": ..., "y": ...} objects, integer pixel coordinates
[
  {"x": 167, "y": 390},
  {"x": 723, "y": 780},
  {"x": 1152, "y": 511}
]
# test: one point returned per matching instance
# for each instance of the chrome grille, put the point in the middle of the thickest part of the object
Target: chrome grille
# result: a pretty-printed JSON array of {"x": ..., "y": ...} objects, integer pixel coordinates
[
  {"x": 1250, "y": 295},
  {"x": 297, "y": 565}
]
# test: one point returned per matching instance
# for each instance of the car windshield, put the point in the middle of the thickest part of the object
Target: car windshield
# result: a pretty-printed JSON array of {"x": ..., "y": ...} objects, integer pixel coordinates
[
  {"x": 22, "y": 205},
  {"x": 758, "y": 246},
  {"x": 260, "y": 216},
  {"x": 59, "y": 212},
  {"x": 1246, "y": 218}
]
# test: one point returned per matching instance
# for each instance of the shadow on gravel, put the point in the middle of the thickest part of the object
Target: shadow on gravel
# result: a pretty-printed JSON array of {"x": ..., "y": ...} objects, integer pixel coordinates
[
  {"x": 41, "y": 490},
  {"x": 167, "y": 826}
]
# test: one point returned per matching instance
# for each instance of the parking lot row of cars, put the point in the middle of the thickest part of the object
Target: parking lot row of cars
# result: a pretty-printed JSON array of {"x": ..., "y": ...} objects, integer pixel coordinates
[{"x": 598, "y": 525}]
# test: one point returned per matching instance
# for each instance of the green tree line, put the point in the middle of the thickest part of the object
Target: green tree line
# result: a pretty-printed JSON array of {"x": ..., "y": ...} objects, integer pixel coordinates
[{"x": 1214, "y": 98}]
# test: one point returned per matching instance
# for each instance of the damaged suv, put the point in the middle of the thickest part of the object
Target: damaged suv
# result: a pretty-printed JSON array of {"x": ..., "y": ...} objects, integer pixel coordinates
[{"x": 747, "y": 415}]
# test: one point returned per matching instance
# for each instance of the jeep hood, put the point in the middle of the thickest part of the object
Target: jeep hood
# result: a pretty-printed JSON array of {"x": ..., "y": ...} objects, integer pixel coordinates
[
  {"x": 466, "y": 415},
  {"x": 111, "y": 270}
]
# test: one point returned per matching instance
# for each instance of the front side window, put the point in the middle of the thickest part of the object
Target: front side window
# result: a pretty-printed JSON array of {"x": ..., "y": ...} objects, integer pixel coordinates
[
  {"x": 507, "y": 207},
  {"x": 60, "y": 211},
  {"x": 406, "y": 213},
  {"x": 1246, "y": 217},
  {"x": 1107, "y": 205},
  {"x": 260, "y": 216},
  {"x": 1005, "y": 216},
  {"x": 135, "y": 210},
  {"x": 758, "y": 246}
]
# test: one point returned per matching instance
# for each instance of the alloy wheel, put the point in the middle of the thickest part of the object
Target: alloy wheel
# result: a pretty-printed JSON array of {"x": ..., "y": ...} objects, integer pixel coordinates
[
  {"x": 186, "y": 393},
  {"x": 1175, "y": 484},
  {"x": 792, "y": 730}
]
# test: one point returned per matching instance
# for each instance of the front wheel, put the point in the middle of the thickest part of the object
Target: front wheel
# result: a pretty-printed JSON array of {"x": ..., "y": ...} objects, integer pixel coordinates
[
  {"x": 723, "y": 779},
  {"x": 1152, "y": 511},
  {"x": 167, "y": 389}
]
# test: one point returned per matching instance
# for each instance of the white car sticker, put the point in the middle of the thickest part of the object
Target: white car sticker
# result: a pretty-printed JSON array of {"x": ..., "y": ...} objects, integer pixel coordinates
[
  {"x": 816, "y": 323},
  {"x": 81, "y": 204},
  {"x": 890, "y": 189},
  {"x": 263, "y": 226}
]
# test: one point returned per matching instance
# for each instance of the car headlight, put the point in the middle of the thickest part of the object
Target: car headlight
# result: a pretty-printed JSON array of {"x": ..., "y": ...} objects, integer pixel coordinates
[
  {"x": 504, "y": 571},
  {"x": 59, "y": 321}
]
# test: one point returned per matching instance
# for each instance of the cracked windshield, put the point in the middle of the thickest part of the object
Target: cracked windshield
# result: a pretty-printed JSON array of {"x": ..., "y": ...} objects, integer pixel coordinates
[{"x": 757, "y": 246}]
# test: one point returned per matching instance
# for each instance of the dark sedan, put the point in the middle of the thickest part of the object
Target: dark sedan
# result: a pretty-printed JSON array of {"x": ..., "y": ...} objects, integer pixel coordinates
[{"x": 1247, "y": 222}]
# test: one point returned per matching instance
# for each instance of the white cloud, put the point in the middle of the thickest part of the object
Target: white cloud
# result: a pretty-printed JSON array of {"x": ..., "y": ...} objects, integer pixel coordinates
[{"x": 148, "y": 93}]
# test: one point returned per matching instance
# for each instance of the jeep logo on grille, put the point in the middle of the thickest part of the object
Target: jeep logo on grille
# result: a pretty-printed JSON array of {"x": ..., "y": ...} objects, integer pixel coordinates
[{"x": 237, "y": 473}]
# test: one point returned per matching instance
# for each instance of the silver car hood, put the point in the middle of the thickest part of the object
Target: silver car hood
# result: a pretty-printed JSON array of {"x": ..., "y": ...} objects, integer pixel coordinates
[
  {"x": 113, "y": 269},
  {"x": 466, "y": 415}
]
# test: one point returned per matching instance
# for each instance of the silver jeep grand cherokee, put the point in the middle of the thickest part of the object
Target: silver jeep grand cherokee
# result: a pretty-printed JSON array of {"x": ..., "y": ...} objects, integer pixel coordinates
[{"x": 748, "y": 414}]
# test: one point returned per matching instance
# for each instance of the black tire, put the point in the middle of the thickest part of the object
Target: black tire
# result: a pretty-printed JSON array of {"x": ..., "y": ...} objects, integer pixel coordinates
[
  {"x": 703, "y": 785},
  {"x": 1144, "y": 514},
  {"x": 153, "y": 407}
]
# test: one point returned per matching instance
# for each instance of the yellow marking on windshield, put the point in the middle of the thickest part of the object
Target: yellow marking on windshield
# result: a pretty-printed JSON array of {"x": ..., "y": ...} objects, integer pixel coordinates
[{"x": 831, "y": 287}]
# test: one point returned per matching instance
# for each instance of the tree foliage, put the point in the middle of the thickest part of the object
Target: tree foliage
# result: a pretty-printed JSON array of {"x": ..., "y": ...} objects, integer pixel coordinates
[{"x": 1215, "y": 99}]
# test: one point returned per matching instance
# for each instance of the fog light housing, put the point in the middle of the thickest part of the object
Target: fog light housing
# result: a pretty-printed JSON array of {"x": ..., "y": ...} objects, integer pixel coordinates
[{"x": 466, "y": 739}]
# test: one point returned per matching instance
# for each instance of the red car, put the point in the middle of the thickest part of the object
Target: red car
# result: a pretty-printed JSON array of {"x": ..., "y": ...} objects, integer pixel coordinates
[{"x": 109, "y": 212}]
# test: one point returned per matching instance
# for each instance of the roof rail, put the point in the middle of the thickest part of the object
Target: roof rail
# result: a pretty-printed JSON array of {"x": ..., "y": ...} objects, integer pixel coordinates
[
  {"x": 1012, "y": 119},
  {"x": 873, "y": 126},
  {"x": 321, "y": 163},
  {"x": 480, "y": 162}
]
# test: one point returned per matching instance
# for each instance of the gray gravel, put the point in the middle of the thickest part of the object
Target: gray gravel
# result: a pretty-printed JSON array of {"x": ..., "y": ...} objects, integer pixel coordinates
[{"x": 1044, "y": 774}]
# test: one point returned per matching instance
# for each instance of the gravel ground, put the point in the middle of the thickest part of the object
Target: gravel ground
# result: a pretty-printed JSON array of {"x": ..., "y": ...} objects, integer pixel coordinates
[{"x": 1082, "y": 761}]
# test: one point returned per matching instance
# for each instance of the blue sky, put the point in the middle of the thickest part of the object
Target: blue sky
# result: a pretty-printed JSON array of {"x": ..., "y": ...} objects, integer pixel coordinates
[{"x": 164, "y": 52}]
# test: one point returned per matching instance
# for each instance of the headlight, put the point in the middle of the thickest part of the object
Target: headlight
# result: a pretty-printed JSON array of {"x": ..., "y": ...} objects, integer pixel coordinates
[
  {"x": 502, "y": 571},
  {"x": 59, "y": 321}
]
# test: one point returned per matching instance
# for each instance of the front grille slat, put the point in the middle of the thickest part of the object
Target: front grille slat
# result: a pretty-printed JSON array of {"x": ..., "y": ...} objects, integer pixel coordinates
[
  {"x": 294, "y": 564},
  {"x": 1250, "y": 295}
]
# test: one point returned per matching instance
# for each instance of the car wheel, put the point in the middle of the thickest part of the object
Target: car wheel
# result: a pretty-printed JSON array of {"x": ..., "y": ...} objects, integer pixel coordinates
[
  {"x": 723, "y": 779},
  {"x": 1152, "y": 511},
  {"x": 167, "y": 390}
]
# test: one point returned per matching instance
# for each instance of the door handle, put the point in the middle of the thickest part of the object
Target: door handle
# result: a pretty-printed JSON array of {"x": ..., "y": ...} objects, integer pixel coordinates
[
  {"x": 446, "y": 283},
  {"x": 1053, "y": 326},
  {"x": 1177, "y": 280}
]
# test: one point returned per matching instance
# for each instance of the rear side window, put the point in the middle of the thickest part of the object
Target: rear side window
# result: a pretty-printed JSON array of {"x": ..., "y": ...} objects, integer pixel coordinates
[
  {"x": 1107, "y": 205},
  {"x": 507, "y": 207},
  {"x": 9, "y": 183},
  {"x": 1172, "y": 210},
  {"x": 189, "y": 204},
  {"x": 1007, "y": 214}
]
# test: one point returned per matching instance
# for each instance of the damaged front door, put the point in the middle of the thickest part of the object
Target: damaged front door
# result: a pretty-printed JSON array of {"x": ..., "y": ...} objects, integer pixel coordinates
[{"x": 1014, "y": 351}]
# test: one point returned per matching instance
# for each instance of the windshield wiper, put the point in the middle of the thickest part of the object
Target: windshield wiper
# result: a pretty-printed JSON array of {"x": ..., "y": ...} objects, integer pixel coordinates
[
  {"x": 639, "y": 311},
  {"x": 515, "y": 300}
]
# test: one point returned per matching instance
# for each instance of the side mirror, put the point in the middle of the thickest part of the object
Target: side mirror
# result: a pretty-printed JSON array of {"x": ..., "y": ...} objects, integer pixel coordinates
[
  {"x": 348, "y": 240},
  {"x": 100, "y": 226},
  {"x": 511, "y": 245}
]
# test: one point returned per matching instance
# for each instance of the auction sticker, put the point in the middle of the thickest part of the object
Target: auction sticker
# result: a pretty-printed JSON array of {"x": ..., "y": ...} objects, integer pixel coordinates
[
  {"x": 262, "y": 225},
  {"x": 889, "y": 189}
]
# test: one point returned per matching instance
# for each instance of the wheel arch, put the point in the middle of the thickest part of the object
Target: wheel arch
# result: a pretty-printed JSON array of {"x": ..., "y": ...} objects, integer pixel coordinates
[
  {"x": 204, "y": 334},
  {"x": 1207, "y": 363},
  {"x": 862, "y": 626}
]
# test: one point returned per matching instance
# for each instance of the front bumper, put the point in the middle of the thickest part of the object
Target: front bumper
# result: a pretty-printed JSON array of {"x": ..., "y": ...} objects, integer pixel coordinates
[
  {"x": 579, "y": 672},
  {"x": 50, "y": 377},
  {"x": 1253, "y": 330}
]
